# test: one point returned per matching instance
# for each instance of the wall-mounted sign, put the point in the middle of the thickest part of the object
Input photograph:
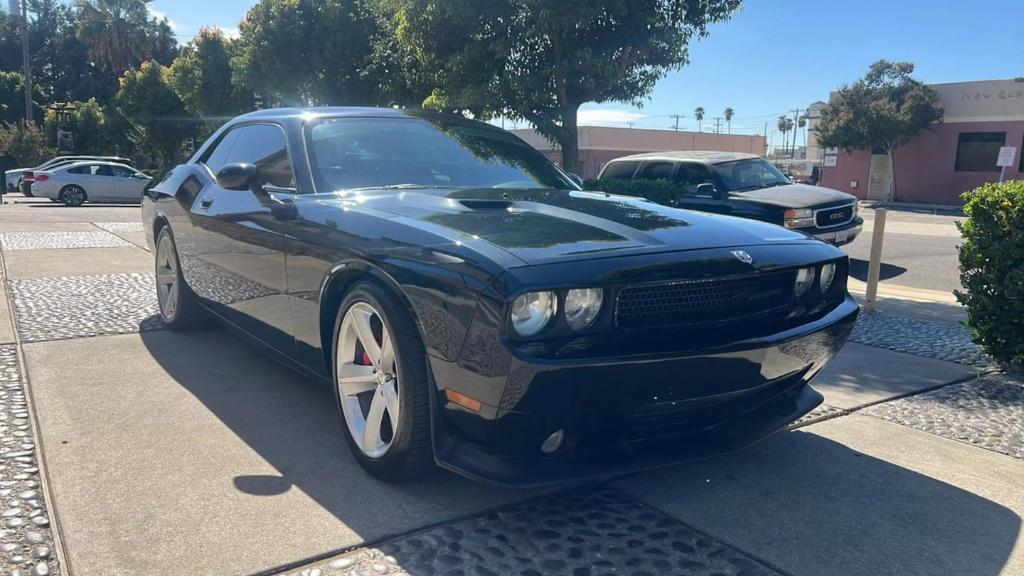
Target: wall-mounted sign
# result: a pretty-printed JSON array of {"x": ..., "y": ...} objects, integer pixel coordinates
[
  {"x": 830, "y": 161},
  {"x": 1007, "y": 155},
  {"x": 832, "y": 150}
]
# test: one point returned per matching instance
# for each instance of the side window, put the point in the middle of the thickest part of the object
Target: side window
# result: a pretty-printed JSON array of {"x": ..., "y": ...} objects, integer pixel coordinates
[
  {"x": 80, "y": 170},
  {"x": 656, "y": 171},
  {"x": 216, "y": 159},
  {"x": 122, "y": 171},
  {"x": 690, "y": 176},
  {"x": 264, "y": 145},
  {"x": 103, "y": 170},
  {"x": 620, "y": 170}
]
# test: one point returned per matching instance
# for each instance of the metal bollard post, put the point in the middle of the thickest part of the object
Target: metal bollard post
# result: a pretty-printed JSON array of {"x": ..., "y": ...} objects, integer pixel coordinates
[{"x": 875, "y": 263}]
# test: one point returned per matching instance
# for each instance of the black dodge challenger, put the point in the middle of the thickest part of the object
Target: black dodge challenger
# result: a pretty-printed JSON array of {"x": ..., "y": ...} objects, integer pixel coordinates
[{"x": 471, "y": 306}]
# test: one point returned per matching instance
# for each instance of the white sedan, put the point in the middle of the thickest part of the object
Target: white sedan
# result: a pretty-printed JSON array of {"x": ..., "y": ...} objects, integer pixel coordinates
[{"x": 82, "y": 182}]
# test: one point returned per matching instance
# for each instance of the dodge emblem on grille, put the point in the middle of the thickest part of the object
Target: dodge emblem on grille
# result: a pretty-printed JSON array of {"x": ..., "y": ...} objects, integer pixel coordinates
[{"x": 743, "y": 256}]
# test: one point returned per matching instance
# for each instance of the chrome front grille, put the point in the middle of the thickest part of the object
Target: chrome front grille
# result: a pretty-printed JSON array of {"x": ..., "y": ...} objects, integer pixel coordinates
[
  {"x": 702, "y": 301},
  {"x": 832, "y": 217}
]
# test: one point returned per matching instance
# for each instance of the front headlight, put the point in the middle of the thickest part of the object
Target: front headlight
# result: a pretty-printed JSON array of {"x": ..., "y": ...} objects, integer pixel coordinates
[
  {"x": 582, "y": 306},
  {"x": 532, "y": 311},
  {"x": 804, "y": 279},
  {"x": 799, "y": 218},
  {"x": 828, "y": 274}
]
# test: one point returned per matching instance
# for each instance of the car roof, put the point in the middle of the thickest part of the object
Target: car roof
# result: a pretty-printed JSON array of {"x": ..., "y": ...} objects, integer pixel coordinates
[
  {"x": 99, "y": 162},
  {"x": 704, "y": 156},
  {"x": 281, "y": 113}
]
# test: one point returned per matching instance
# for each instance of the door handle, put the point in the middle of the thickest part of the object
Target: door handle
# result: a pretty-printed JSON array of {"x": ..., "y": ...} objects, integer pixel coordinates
[{"x": 206, "y": 201}]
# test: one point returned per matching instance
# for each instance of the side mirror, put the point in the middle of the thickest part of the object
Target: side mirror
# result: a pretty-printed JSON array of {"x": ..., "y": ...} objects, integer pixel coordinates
[
  {"x": 575, "y": 178},
  {"x": 707, "y": 189},
  {"x": 237, "y": 176}
]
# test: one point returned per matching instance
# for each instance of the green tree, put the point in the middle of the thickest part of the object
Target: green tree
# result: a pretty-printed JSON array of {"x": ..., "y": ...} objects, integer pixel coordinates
[
  {"x": 540, "y": 60},
  {"x": 785, "y": 124},
  {"x": 883, "y": 110},
  {"x": 201, "y": 76},
  {"x": 157, "y": 117},
  {"x": 61, "y": 67},
  {"x": 729, "y": 112},
  {"x": 118, "y": 33},
  {"x": 698, "y": 114},
  {"x": 12, "y": 98},
  {"x": 309, "y": 51},
  {"x": 25, "y": 142}
]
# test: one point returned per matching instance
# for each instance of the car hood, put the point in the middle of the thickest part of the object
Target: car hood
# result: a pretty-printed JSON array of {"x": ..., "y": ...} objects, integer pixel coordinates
[
  {"x": 540, "y": 226},
  {"x": 794, "y": 196}
]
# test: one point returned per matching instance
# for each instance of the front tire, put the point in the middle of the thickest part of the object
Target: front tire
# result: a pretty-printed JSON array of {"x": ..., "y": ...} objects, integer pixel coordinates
[
  {"x": 73, "y": 195},
  {"x": 381, "y": 385},
  {"x": 179, "y": 308}
]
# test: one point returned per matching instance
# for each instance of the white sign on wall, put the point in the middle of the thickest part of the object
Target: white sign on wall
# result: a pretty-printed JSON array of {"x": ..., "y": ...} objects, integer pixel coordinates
[
  {"x": 832, "y": 150},
  {"x": 830, "y": 161},
  {"x": 1007, "y": 155}
]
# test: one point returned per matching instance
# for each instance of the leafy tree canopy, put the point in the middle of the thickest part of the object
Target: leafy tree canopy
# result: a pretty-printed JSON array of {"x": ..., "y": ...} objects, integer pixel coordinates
[
  {"x": 155, "y": 111},
  {"x": 310, "y": 51},
  {"x": 884, "y": 109},
  {"x": 201, "y": 76},
  {"x": 539, "y": 60}
]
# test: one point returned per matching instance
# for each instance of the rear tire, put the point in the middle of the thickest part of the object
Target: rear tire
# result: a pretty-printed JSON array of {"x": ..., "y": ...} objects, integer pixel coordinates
[
  {"x": 73, "y": 195},
  {"x": 400, "y": 448},
  {"x": 179, "y": 307}
]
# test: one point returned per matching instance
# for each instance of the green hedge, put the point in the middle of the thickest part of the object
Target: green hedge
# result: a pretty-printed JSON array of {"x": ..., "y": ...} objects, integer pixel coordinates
[
  {"x": 660, "y": 191},
  {"x": 992, "y": 269}
]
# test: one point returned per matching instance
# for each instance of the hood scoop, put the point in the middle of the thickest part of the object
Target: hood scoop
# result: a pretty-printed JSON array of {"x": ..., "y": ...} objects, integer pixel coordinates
[{"x": 486, "y": 205}]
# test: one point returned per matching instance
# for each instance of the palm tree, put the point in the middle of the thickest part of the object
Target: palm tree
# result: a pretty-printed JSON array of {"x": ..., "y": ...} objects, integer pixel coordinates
[
  {"x": 699, "y": 115},
  {"x": 114, "y": 32},
  {"x": 785, "y": 125},
  {"x": 728, "y": 118}
]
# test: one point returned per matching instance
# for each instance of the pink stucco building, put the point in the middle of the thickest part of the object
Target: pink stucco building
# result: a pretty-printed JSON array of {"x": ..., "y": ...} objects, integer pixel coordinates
[
  {"x": 599, "y": 144},
  {"x": 941, "y": 163}
]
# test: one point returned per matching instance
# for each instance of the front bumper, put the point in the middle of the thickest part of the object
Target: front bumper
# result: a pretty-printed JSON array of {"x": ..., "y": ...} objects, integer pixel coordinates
[
  {"x": 628, "y": 414},
  {"x": 842, "y": 235}
]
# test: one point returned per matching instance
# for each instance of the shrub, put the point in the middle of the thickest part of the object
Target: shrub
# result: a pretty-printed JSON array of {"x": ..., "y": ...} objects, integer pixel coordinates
[
  {"x": 25, "y": 142},
  {"x": 660, "y": 191},
  {"x": 992, "y": 269}
]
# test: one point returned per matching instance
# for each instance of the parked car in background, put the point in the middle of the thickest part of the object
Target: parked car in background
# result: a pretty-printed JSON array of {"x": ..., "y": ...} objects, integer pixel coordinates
[
  {"x": 747, "y": 186},
  {"x": 90, "y": 181},
  {"x": 14, "y": 179},
  {"x": 469, "y": 305}
]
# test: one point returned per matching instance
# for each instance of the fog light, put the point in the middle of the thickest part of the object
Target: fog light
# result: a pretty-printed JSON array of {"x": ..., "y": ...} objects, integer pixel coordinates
[
  {"x": 828, "y": 274},
  {"x": 804, "y": 279},
  {"x": 553, "y": 442}
]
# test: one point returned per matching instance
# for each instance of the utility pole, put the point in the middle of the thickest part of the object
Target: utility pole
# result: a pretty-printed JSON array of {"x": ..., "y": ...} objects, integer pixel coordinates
[
  {"x": 718, "y": 124},
  {"x": 25, "y": 61},
  {"x": 676, "y": 117},
  {"x": 766, "y": 146}
]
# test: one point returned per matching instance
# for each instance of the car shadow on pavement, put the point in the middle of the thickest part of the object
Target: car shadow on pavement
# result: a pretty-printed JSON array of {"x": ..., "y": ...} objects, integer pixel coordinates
[
  {"x": 813, "y": 505},
  {"x": 293, "y": 425},
  {"x": 859, "y": 270}
]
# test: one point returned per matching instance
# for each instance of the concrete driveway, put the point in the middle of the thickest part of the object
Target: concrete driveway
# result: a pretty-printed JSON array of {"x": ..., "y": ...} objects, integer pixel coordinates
[{"x": 170, "y": 453}]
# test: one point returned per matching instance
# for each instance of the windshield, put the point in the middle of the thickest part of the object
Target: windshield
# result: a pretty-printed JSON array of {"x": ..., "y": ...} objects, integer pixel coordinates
[
  {"x": 348, "y": 153},
  {"x": 749, "y": 174}
]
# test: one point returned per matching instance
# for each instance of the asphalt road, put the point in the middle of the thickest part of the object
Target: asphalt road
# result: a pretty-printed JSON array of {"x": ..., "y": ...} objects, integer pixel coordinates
[{"x": 919, "y": 250}]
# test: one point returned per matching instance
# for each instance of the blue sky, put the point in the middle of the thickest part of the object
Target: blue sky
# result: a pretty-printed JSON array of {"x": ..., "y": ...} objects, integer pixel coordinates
[{"x": 777, "y": 55}]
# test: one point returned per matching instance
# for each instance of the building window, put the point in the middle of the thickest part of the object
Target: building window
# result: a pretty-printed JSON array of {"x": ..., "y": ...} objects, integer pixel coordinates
[{"x": 978, "y": 151}]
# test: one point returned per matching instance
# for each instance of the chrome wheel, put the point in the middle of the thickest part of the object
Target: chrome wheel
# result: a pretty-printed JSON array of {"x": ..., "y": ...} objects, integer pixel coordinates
[
  {"x": 74, "y": 196},
  {"x": 367, "y": 379},
  {"x": 168, "y": 285}
]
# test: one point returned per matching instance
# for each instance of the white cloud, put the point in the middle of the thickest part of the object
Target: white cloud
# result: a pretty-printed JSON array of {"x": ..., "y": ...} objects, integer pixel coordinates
[
  {"x": 607, "y": 117},
  {"x": 177, "y": 28},
  {"x": 231, "y": 32}
]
